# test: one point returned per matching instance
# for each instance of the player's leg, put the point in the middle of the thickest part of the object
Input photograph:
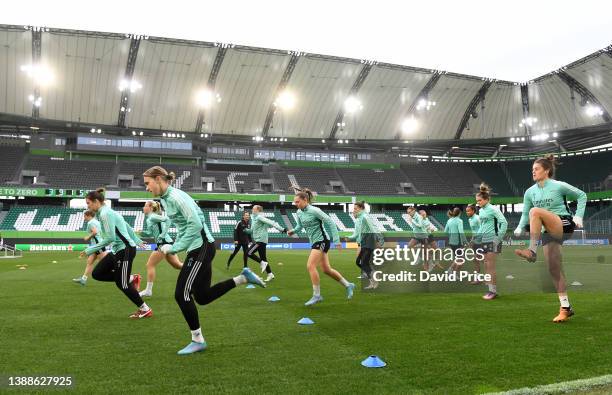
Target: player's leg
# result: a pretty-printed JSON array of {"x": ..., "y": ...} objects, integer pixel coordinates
[
  {"x": 88, "y": 269},
  {"x": 366, "y": 263},
  {"x": 264, "y": 257},
  {"x": 552, "y": 255},
  {"x": 245, "y": 254},
  {"x": 311, "y": 265},
  {"x": 490, "y": 259},
  {"x": 104, "y": 270},
  {"x": 236, "y": 250},
  {"x": 333, "y": 273},
  {"x": 124, "y": 281},
  {"x": 154, "y": 259},
  {"x": 538, "y": 218}
]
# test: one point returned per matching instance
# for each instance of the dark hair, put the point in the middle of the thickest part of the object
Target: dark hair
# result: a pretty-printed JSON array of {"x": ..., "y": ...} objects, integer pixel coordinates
[
  {"x": 454, "y": 212},
  {"x": 485, "y": 192},
  {"x": 471, "y": 207},
  {"x": 98, "y": 195},
  {"x": 244, "y": 213},
  {"x": 361, "y": 204},
  {"x": 305, "y": 194},
  {"x": 548, "y": 162},
  {"x": 89, "y": 213},
  {"x": 156, "y": 171}
]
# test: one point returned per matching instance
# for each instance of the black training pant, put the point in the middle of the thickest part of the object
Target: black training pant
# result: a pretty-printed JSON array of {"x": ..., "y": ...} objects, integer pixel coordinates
[{"x": 117, "y": 268}]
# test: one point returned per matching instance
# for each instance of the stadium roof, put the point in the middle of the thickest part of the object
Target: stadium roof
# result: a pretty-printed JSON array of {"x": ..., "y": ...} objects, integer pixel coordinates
[{"x": 85, "y": 70}]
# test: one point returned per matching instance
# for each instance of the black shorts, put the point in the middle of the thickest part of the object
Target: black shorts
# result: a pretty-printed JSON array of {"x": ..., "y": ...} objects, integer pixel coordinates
[
  {"x": 490, "y": 247},
  {"x": 159, "y": 246},
  {"x": 568, "y": 230},
  {"x": 323, "y": 245}
]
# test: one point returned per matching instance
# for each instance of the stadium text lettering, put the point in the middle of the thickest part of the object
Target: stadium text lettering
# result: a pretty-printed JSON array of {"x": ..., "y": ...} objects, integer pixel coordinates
[{"x": 405, "y": 276}]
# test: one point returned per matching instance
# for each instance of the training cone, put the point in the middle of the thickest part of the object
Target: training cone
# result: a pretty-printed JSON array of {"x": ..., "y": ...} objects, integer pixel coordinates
[
  {"x": 305, "y": 321},
  {"x": 373, "y": 362},
  {"x": 280, "y": 264},
  {"x": 576, "y": 283},
  {"x": 54, "y": 262},
  {"x": 510, "y": 277},
  {"x": 22, "y": 268},
  {"x": 250, "y": 286},
  {"x": 273, "y": 299}
]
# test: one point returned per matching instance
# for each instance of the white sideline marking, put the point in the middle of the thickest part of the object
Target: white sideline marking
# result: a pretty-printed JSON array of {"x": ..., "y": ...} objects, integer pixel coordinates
[{"x": 560, "y": 388}]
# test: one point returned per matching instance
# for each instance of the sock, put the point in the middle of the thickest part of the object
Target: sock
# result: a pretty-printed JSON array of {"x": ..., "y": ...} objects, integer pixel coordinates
[
  {"x": 149, "y": 287},
  {"x": 564, "y": 301},
  {"x": 131, "y": 278},
  {"x": 144, "y": 307},
  {"x": 493, "y": 288},
  {"x": 533, "y": 244},
  {"x": 344, "y": 282},
  {"x": 316, "y": 290},
  {"x": 241, "y": 279},
  {"x": 196, "y": 336},
  {"x": 84, "y": 277}
]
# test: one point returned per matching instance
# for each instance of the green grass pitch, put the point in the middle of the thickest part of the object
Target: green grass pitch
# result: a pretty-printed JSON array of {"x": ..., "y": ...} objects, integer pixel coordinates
[{"x": 432, "y": 343}]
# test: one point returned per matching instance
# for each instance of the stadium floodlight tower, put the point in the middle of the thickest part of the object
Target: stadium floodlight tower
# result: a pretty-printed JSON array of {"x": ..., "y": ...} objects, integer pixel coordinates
[
  {"x": 409, "y": 125},
  {"x": 285, "y": 102}
]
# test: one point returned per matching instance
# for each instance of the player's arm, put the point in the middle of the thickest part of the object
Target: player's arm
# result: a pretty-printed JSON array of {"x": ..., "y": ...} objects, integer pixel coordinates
[
  {"x": 108, "y": 222},
  {"x": 503, "y": 225},
  {"x": 271, "y": 223},
  {"x": 462, "y": 233},
  {"x": 527, "y": 205},
  {"x": 329, "y": 222},
  {"x": 132, "y": 234},
  {"x": 92, "y": 233},
  {"x": 192, "y": 229},
  {"x": 298, "y": 226},
  {"x": 580, "y": 197}
]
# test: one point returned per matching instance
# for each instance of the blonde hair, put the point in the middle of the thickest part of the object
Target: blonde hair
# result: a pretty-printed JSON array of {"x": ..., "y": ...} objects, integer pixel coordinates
[
  {"x": 485, "y": 192},
  {"x": 155, "y": 207},
  {"x": 158, "y": 171}
]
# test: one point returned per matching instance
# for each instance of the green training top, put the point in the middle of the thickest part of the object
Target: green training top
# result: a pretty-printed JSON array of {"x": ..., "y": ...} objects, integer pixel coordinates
[
  {"x": 454, "y": 230},
  {"x": 259, "y": 228},
  {"x": 366, "y": 233},
  {"x": 474, "y": 222},
  {"x": 552, "y": 197},
  {"x": 91, "y": 225},
  {"x": 427, "y": 225},
  {"x": 417, "y": 226},
  {"x": 157, "y": 228},
  {"x": 188, "y": 218},
  {"x": 115, "y": 230},
  {"x": 317, "y": 224},
  {"x": 493, "y": 225}
]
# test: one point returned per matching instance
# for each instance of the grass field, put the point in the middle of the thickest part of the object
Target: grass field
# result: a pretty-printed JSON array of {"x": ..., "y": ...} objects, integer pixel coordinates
[{"x": 433, "y": 343}]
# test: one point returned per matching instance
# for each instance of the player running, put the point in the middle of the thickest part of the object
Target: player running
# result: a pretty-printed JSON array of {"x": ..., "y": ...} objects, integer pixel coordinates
[
  {"x": 259, "y": 232},
  {"x": 320, "y": 228},
  {"x": 157, "y": 229},
  {"x": 241, "y": 240},
  {"x": 368, "y": 236},
  {"x": 193, "y": 236},
  {"x": 94, "y": 236},
  {"x": 545, "y": 206},
  {"x": 415, "y": 221},
  {"x": 455, "y": 234},
  {"x": 117, "y": 265},
  {"x": 493, "y": 227},
  {"x": 431, "y": 243}
]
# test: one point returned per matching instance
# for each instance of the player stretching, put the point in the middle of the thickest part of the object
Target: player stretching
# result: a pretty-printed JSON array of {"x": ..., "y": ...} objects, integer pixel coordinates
[
  {"x": 259, "y": 233},
  {"x": 157, "y": 229},
  {"x": 319, "y": 228},
  {"x": 545, "y": 205},
  {"x": 455, "y": 233},
  {"x": 415, "y": 221},
  {"x": 95, "y": 235},
  {"x": 493, "y": 227},
  {"x": 117, "y": 265},
  {"x": 432, "y": 246},
  {"x": 193, "y": 236},
  {"x": 369, "y": 238},
  {"x": 241, "y": 240}
]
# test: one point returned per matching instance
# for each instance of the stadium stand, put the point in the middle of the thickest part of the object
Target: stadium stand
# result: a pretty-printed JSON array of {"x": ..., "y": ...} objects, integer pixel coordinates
[
  {"x": 361, "y": 180},
  {"x": 81, "y": 174},
  {"x": 10, "y": 161},
  {"x": 315, "y": 179}
]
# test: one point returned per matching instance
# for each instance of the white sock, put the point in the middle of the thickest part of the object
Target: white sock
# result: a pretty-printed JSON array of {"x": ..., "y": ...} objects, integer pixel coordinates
[
  {"x": 131, "y": 278},
  {"x": 344, "y": 282},
  {"x": 264, "y": 263},
  {"x": 144, "y": 307},
  {"x": 564, "y": 301},
  {"x": 196, "y": 336},
  {"x": 316, "y": 290},
  {"x": 84, "y": 277},
  {"x": 149, "y": 287},
  {"x": 241, "y": 279},
  {"x": 493, "y": 288}
]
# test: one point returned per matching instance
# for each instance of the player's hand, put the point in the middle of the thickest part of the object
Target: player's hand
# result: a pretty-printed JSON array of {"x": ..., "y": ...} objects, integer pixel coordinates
[
  {"x": 235, "y": 242},
  {"x": 290, "y": 232},
  {"x": 142, "y": 245},
  {"x": 578, "y": 221},
  {"x": 518, "y": 231},
  {"x": 165, "y": 249}
]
